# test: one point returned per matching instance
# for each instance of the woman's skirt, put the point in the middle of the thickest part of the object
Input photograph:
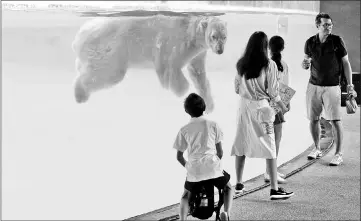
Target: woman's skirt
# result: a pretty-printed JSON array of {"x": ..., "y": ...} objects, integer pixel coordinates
[{"x": 255, "y": 134}]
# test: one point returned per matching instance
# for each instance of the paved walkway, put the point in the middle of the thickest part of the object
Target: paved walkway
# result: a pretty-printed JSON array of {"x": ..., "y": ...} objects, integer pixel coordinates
[{"x": 322, "y": 192}]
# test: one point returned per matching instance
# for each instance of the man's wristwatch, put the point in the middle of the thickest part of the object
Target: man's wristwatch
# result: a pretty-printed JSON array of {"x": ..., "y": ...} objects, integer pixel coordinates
[
  {"x": 350, "y": 87},
  {"x": 351, "y": 91}
]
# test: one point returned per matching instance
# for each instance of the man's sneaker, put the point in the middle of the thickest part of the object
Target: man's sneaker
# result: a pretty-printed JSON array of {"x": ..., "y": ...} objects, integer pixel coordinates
[
  {"x": 280, "y": 180},
  {"x": 239, "y": 188},
  {"x": 281, "y": 175},
  {"x": 315, "y": 154},
  {"x": 280, "y": 194},
  {"x": 336, "y": 160}
]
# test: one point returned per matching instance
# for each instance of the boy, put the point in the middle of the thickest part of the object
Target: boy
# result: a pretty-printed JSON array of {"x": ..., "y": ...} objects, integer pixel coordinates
[{"x": 202, "y": 140}]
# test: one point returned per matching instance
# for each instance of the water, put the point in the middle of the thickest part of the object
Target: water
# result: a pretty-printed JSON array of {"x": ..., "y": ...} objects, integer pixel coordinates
[{"x": 112, "y": 158}]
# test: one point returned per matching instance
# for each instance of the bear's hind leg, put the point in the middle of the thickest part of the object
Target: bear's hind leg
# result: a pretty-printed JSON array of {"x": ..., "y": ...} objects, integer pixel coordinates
[
  {"x": 87, "y": 83},
  {"x": 100, "y": 65}
]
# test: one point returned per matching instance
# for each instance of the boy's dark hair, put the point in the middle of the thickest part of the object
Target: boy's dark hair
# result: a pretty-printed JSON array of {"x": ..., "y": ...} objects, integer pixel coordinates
[
  {"x": 276, "y": 45},
  {"x": 321, "y": 15},
  {"x": 194, "y": 105}
]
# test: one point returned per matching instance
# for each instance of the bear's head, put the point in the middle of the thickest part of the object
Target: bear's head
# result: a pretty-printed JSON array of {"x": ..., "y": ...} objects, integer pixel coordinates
[{"x": 215, "y": 33}]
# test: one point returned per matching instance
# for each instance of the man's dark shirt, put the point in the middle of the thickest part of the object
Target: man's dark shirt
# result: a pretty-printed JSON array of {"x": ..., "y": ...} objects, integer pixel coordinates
[{"x": 326, "y": 64}]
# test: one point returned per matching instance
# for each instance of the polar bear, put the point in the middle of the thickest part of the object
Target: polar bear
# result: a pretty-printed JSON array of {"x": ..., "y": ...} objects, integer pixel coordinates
[{"x": 106, "y": 47}]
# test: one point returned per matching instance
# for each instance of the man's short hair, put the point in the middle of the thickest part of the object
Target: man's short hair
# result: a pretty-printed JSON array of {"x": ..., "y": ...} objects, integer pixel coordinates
[
  {"x": 321, "y": 15},
  {"x": 194, "y": 105}
]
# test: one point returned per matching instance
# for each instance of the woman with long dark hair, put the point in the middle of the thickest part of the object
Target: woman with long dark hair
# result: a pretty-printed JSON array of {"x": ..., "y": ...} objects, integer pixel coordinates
[
  {"x": 276, "y": 46},
  {"x": 257, "y": 84}
]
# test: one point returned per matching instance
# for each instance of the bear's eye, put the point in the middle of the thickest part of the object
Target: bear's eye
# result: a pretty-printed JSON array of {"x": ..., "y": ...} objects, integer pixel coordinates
[{"x": 213, "y": 37}]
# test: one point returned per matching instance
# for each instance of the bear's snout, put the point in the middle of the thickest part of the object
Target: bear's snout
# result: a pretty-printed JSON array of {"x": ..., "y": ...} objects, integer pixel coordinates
[{"x": 219, "y": 49}]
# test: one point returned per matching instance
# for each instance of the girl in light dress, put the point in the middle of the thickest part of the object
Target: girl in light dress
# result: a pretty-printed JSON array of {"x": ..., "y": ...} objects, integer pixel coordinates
[
  {"x": 276, "y": 46},
  {"x": 257, "y": 84}
]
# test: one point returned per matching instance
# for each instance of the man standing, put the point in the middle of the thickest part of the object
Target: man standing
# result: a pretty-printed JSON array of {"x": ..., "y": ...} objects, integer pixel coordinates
[{"x": 326, "y": 54}]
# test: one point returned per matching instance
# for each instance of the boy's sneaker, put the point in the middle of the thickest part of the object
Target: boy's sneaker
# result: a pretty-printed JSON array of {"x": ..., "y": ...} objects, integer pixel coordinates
[
  {"x": 315, "y": 154},
  {"x": 280, "y": 194},
  {"x": 336, "y": 160},
  {"x": 239, "y": 188},
  {"x": 280, "y": 179}
]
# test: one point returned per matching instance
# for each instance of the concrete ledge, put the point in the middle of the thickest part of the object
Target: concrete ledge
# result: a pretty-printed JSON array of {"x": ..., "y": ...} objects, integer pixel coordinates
[{"x": 289, "y": 168}]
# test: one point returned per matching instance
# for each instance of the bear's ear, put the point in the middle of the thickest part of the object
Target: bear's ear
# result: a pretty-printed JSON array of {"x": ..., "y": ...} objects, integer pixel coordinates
[{"x": 202, "y": 26}]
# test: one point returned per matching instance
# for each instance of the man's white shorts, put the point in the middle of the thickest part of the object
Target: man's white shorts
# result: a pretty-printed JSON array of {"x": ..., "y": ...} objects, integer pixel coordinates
[{"x": 327, "y": 98}]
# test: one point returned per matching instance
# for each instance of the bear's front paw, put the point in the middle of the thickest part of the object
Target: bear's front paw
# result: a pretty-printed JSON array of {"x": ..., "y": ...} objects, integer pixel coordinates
[{"x": 179, "y": 87}]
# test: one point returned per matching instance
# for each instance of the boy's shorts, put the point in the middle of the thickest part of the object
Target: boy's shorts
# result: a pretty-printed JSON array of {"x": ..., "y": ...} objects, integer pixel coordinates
[
  {"x": 219, "y": 182},
  {"x": 326, "y": 98},
  {"x": 279, "y": 118}
]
